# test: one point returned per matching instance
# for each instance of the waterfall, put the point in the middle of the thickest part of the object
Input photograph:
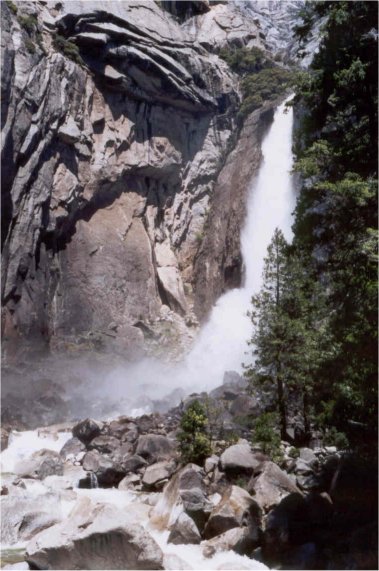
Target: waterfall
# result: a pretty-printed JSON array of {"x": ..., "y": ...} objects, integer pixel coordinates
[{"x": 221, "y": 345}]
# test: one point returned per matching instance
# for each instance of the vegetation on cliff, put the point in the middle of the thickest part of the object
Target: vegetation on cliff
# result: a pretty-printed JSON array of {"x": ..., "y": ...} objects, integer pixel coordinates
[{"x": 261, "y": 78}]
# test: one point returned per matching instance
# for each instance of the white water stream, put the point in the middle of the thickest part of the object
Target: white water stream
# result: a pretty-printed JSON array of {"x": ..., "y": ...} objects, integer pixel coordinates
[
  {"x": 222, "y": 343},
  {"x": 220, "y": 347}
]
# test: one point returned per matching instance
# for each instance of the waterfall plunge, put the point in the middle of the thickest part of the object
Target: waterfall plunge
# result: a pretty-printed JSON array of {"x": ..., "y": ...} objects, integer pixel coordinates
[{"x": 222, "y": 343}]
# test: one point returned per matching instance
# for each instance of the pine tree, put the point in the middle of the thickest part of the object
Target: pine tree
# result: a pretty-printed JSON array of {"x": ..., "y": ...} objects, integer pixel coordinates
[{"x": 290, "y": 337}]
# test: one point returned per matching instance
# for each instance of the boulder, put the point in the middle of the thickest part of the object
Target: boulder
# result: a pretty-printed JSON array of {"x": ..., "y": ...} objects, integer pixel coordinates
[
  {"x": 41, "y": 464},
  {"x": 184, "y": 492},
  {"x": 239, "y": 458},
  {"x": 104, "y": 444},
  {"x": 155, "y": 448},
  {"x": 72, "y": 448},
  {"x": 271, "y": 486},
  {"x": 157, "y": 474},
  {"x": 23, "y": 516},
  {"x": 134, "y": 463},
  {"x": 236, "y": 508},
  {"x": 108, "y": 473},
  {"x": 129, "y": 482},
  {"x": 238, "y": 539},
  {"x": 184, "y": 530},
  {"x": 308, "y": 455},
  {"x": 244, "y": 405},
  {"x": 87, "y": 430},
  {"x": 211, "y": 463},
  {"x": 100, "y": 537},
  {"x": 118, "y": 428}
]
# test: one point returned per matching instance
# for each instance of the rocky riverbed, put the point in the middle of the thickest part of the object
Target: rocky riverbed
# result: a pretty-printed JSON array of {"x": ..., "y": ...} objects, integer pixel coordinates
[{"x": 114, "y": 494}]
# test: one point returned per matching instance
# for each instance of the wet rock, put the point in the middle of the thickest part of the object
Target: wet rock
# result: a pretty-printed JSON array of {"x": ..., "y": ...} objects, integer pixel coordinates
[
  {"x": 41, "y": 464},
  {"x": 184, "y": 492},
  {"x": 271, "y": 486},
  {"x": 4, "y": 491},
  {"x": 239, "y": 459},
  {"x": 87, "y": 430},
  {"x": 108, "y": 473},
  {"x": 155, "y": 448},
  {"x": 236, "y": 508},
  {"x": 157, "y": 474},
  {"x": 72, "y": 448},
  {"x": 23, "y": 516},
  {"x": 101, "y": 537},
  {"x": 129, "y": 482},
  {"x": 238, "y": 539},
  {"x": 184, "y": 531}
]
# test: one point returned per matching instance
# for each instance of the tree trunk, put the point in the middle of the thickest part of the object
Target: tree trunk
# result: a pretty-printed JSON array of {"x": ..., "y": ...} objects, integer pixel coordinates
[
  {"x": 282, "y": 408},
  {"x": 307, "y": 427}
]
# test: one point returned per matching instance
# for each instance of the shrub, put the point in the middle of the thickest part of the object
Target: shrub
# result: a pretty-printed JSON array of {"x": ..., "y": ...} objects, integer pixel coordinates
[
  {"x": 193, "y": 438},
  {"x": 12, "y": 6},
  {"x": 335, "y": 438},
  {"x": 30, "y": 46},
  {"x": 294, "y": 452},
  {"x": 244, "y": 60},
  {"x": 266, "y": 434},
  {"x": 69, "y": 49},
  {"x": 29, "y": 23}
]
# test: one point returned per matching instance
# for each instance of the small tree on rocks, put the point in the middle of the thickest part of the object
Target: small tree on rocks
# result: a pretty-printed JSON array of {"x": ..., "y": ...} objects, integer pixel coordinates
[{"x": 193, "y": 437}]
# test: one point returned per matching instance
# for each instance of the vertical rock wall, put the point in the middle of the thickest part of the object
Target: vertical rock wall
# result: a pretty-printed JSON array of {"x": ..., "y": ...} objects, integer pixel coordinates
[{"x": 116, "y": 126}]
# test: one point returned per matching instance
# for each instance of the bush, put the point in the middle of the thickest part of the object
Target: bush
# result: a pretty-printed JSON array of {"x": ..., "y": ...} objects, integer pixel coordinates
[
  {"x": 193, "y": 438},
  {"x": 12, "y": 6},
  {"x": 294, "y": 452},
  {"x": 244, "y": 60},
  {"x": 266, "y": 434},
  {"x": 69, "y": 49},
  {"x": 335, "y": 438},
  {"x": 29, "y": 23},
  {"x": 30, "y": 46}
]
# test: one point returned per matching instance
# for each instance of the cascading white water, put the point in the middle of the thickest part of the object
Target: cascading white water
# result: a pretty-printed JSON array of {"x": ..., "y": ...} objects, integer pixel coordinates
[{"x": 221, "y": 345}]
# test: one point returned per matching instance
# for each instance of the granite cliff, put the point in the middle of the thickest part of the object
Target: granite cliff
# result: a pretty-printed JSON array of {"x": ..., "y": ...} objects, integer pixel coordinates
[{"x": 122, "y": 195}]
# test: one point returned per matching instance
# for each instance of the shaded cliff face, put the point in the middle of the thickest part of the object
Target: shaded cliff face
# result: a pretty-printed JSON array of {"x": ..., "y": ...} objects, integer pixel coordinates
[{"x": 109, "y": 166}]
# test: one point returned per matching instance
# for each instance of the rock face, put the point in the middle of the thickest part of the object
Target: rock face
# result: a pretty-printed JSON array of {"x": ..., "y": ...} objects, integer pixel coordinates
[
  {"x": 108, "y": 167},
  {"x": 97, "y": 538},
  {"x": 117, "y": 120}
]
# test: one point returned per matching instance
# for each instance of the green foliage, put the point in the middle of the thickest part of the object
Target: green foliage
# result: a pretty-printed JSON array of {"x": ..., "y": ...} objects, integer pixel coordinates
[
  {"x": 245, "y": 60},
  {"x": 12, "y": 6},
  {"x": 30, "y": 46},
  {"x": 193, "y": 438},
  {"x": 290, "y": 337},
  {"x": 335, "y": 438},
  {"x": 265, "y": 433},
  {"x": 69, "y": 49},
  {"x": 267, "y": 84},
  {"x": 29, "y": 23},
  {"x": 294, "y": 452},
  {"x": 336, "y": 214},
  {"x": 262, "y": 79}
]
